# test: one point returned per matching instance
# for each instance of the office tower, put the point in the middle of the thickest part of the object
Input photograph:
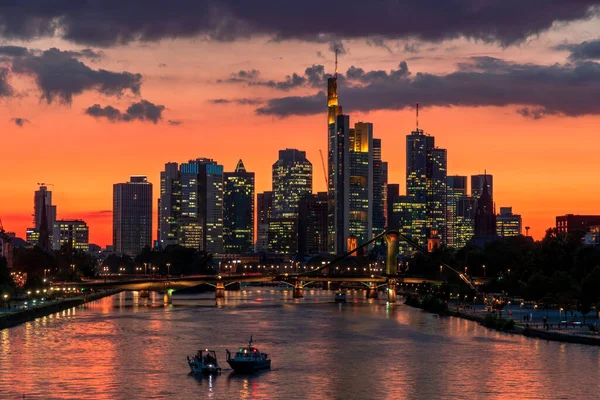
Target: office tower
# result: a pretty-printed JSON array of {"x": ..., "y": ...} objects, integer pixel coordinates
[
  {"x": 379, "y": 189},
  {"x": 72, "y": 233},
  {"x": 477, "y": 183},
  {"x": 393, "y": 193},
  {"x": 426, "y": 170},
  {"x": 41, "y": 196},
  {"x": 264, "y": 212},
  {"x": 456, "y": 188},
  {"x": 571, "y": 223},
  {"x": 292, "y": 180},
  {"x": 464, "y": 226},
  {"x": 201, "y": 222},
  {"x": 238, "y": 210},
  {"x": 339, "y": 176},
  {"x": 507, "y": 223},
  {"x": 312, "y": 224},
  {"x": 169, "y": 210},
  {"x": 132, "y": 215},
  {"x": 360, "y": 190}
]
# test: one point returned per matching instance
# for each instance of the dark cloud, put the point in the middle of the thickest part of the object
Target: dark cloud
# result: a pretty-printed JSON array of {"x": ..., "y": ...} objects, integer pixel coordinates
[
  {"x": 162, "y": 65},
  {"x": 313, "y": 76},
  {"x": 13, "y": 51},
  {"x": 379, "y": 42},
  {"x": 569, "y": 89},
  {"x": 20, "y": 122},
  {"x": 174, "y": 122},
  {"x": 60, "y": 76},
  {"x": 5, "y": 89},
  {"x": 140, "y": 111},
  {"x": 338, "y": 46},
  {"x": 242, "y": 101},
  {"x": 219, "y": 101},
  {"x": 111, "y": 22},
  {"x": 584, "y": 51}
]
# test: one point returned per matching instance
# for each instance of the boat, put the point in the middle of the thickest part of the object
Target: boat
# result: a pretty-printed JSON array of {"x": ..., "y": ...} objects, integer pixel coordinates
[
  {"x": 204, "y": 362},
  {"x": 340, "y": 297},
  {"x": 248, "y": 359}
]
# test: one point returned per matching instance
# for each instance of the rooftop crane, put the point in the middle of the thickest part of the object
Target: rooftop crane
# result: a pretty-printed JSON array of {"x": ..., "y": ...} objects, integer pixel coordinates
[{"x": 324, "y": 170}]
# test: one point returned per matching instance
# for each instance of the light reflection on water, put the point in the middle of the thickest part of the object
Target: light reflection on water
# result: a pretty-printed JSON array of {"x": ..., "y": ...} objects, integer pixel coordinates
[{"x": 127, "y": 347}]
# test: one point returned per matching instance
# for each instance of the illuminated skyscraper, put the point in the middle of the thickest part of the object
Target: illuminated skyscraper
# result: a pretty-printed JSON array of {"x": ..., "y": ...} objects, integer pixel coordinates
[
  {"x": 169, "y": 210},
  {"x": 292, "y": 180},
  {"x": 485, "y": 218},
  {"x": 264, "y": 212},
  {"x": 464, "y": 225},
  {"x": 507, "y": 223},
  {"x": 73, "y": 233},
  {"x": 339, "y": 176},
  {"x": 312, "y": 224},
  {"x": 132, "y": 215},
  {"x": 456, "y": 189},
  {"x": 360, "y": 201},
  {"x": 380, "y": 178},
  {"x": 238, "y": 210}
]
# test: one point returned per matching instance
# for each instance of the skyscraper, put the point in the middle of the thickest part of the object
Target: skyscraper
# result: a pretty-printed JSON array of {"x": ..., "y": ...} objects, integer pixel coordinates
[
  {"x": 292, "y": 180},
  {"x": 464, "y": 225},
  {"x": 238, "y": 210},
  {"x": 132, "y": 215},
  {"x": 44, "y": 216},
  {"x": 169, "y": 211},
  {"x": 426, "y": 171},
  {"x": 339, "y": 176},
  {"x": 360, "y": 190},
  {"x": 485, "y": 218},
  {"x": 379, "y": 189},
  {"x": 456, "y": 189},
  {"x": 507, "y": 223},
  {"x": 264, "y": 212},
  {"x": 312, "y": 224}
]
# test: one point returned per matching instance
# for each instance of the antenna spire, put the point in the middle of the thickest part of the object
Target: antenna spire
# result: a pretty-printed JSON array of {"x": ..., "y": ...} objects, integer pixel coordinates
[
  {"x": 417, "y": 116},
  {"x": 336, "y": 62}
]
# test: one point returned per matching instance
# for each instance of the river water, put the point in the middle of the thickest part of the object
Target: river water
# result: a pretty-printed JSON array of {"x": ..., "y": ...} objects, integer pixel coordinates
[{"x": 125, "y": 347}]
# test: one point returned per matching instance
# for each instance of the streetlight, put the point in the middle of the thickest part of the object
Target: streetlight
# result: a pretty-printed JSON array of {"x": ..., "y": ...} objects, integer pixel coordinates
[
  {"x": 169, "y": 268},
  {"x": 73, "y": 266},
  {"x": 484, "y": 270},
  {"x": 145, "y": 268}
]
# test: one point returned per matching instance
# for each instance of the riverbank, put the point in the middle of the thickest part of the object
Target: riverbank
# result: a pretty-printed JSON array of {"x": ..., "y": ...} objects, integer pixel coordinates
[
  {"x": 9, "y": 320},
  {"x": 518, "y": 329}
]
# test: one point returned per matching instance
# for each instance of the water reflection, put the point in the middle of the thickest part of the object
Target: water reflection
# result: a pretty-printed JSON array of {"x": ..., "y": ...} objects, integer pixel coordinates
[{"x": 132, "y": 347}]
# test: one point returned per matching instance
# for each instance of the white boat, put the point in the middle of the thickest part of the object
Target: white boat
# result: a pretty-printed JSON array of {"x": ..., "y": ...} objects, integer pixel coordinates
[{"x": 204, "y": 362}]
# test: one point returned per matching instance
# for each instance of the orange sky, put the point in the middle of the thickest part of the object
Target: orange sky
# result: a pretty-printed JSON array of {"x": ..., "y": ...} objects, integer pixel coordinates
[{"x": 542, "y": 168}]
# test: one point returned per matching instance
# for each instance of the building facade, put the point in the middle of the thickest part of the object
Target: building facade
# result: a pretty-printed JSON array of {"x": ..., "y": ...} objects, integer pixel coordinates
[
  {"x": 360, "y": 183},
  {"x": 132, "y": 215},
  {"x": 312, "y": 224},
  {"x": 238, "y": 210},
  {"x": 456, "y": 189},
  {"x": 72, "y": 233},
  {"x": 169, "y": 205},
  {"x": 570, "y": 223},
  {"x": 507, "y": 223}
]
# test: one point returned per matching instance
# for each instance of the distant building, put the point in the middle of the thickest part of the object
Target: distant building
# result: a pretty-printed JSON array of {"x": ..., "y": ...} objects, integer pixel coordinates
[
  {"x": 292, "y": 180},
  {"x": 570, "y": 223},
  {"x": 6, "y": 248},
  {"x": 592, "y": 237},
  {"x": 507, "y": 223},
  {"x": 32, "y": 236},
  {"x": 264, "y": 212},
  {"x": 73, "y": 233},
  {"x": 238, "y": 210},
  {"x": 361, "y": 186},
  {"x": 132, "y": 215},
  {"x": 477, "y": 184},
  {"x": 380, "y": 178},
  {"x": 41, "y": 198},
  {"x": 485, "y": 219},
  {"x": 312, "y": 224},
  {"x": 456, "y": 188},
  {"x": 464, "y": 226},
  {"x": 169, "y": 205}
]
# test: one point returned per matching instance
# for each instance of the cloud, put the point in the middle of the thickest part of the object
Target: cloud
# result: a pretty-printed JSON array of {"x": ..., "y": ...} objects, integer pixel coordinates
[
  {"x": 140, "y": 111},
  {"x": 568, "y": 89},
  {"x": 13, "y": 51},
  {"x": 5, "y": 89},
  {"x": 583, "y": 51},
  {"x": 313, "y": 76},
  {"x": 60, "y": 76},
  {"x": 337, "y": 45},
  {"x": 112, "y": 22},
  {"x": 20, "y": 122},
  {"x": 174, "y": 122},
  {"x": 241, "y": 101}
]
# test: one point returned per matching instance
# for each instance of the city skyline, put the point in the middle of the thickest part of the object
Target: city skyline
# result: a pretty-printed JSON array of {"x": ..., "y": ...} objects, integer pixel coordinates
[{"x": 518, "y": 139}]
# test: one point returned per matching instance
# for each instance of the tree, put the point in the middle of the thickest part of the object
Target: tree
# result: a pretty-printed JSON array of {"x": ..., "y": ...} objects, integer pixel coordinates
[{"x": 7, "y": 284}]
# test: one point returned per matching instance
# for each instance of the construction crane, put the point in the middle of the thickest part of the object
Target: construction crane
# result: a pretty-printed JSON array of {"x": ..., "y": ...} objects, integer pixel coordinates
[{"x": 324, "y": 170}]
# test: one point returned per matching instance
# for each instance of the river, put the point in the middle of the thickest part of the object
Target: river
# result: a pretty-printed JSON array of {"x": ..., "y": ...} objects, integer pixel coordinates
[{"x": 126, "y": 347}]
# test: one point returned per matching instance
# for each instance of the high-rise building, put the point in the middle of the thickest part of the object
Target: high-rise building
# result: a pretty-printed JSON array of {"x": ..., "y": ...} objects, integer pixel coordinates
[
  {"x": 312, "y": 224},
  {"x": 264, "y": 212},
  {"x": 456, "y": 188},
  {"x": 507, "y": 223},
  {"x": 339, "y": 176},
  {"x": 380, "y": 178},
  {"x": 238, "y": 210},
  {"x": 73, "y": 233},
  {"x": 426, "y": 171},
  {"x": 360, "y": 190},
  {"x": 202, "y": 205},
  {"x": 464, "y": 225},
  {"x": 169, "y": 209},
  {"x": 132, "y": 215},
  {"x": 41, "y": 196},
  {"x": 485, "y": 218},
  {"x": 292, "y": 180},
  {"x": 477, "y": 184}
]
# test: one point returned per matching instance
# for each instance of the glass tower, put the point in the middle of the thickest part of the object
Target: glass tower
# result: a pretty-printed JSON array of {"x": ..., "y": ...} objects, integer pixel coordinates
[{"x": 238, "y": 210}]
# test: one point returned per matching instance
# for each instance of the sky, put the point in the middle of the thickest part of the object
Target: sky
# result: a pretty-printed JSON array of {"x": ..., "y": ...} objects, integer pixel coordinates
[{"x": 93, "y": 93}]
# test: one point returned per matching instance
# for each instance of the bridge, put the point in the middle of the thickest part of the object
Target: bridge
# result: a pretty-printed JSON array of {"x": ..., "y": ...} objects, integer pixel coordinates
[{"x": 298, "y": 281}]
